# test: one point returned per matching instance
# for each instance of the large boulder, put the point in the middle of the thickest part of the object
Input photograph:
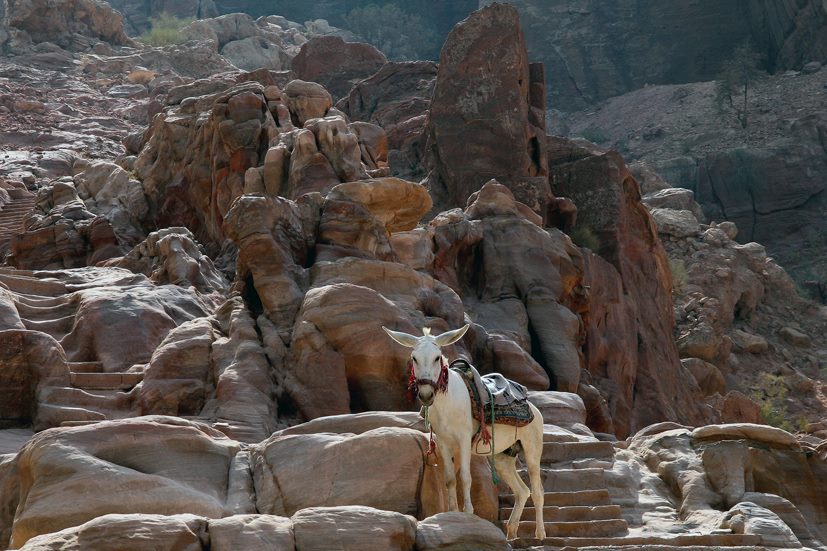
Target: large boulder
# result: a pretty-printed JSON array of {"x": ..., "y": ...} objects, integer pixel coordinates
[
  {"x": 397, "y": 99},
  {"x": 353, "y": 527},
  {"x": 145, "y": 532},
  {"x": 58, "y": 21},
  {"x": 486, "y": 95},
  {"x": 347, "y": 469},
  {"x": 336, "y": 64},
  {"x": 455, "y": 531},
  {"x": 120, "y": 468}
]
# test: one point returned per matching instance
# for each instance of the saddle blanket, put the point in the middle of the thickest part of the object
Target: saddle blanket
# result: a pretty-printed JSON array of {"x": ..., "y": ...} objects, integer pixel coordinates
[{"x": 510, "y": 398}]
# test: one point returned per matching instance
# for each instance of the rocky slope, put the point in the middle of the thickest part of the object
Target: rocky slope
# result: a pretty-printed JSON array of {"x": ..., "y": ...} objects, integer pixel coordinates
[
  {"x": 190, "y": 321},
  {"x": 767, "y": 178},
  {"x": 599, "y": 50}
]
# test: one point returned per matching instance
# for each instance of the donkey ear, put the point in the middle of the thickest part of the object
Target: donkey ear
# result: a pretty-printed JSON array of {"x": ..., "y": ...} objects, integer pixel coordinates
[
  {"x": 450, "y": 337},
  {"x": 402, "y": 338}
]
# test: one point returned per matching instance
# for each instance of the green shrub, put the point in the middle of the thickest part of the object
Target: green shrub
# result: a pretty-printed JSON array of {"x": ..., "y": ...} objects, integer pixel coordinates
[
  {"x": 586, "y": 238},
  {"x": 680, "y": 277},
  {"x": 771, "y": 395},
  {"x": 398, "y": 34},
  {"x": 165, "y": 30}
]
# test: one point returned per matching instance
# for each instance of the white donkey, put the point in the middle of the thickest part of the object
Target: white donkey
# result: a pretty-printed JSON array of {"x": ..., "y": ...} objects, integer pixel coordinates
[{"x": 449, "y": 411}]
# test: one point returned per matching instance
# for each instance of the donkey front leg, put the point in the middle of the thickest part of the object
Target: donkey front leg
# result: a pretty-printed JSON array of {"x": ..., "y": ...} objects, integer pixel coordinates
[
  {"x": 446, "y": 452},
  {"x": 465, "y": 477}
]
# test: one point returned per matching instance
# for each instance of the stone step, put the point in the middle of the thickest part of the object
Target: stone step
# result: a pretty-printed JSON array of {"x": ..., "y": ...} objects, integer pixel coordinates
[
  {"x": 569, "y": 480},
  {"x": 85, "y": 367},
  {"x": 584, "y": 529},
  {"x": 49, "y": 415},
  {"x": 106, "y": 381},
  {"x": 32, "y": 285},
  {"x": 39, "y": 301},
  {"x": 96, "y": 400},
  {"x": 560, "y": 452},
  {"x": 39, "y": 313},
  {"x": 639, "y": 542},
  {"x": 57, "y": 328},
  {"x": 570, "y": 513},
  {"x": 566, "y": 499}
]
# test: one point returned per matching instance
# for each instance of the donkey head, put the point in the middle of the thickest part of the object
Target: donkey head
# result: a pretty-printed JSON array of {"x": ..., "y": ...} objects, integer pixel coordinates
[{"x": 427, "y": 360}]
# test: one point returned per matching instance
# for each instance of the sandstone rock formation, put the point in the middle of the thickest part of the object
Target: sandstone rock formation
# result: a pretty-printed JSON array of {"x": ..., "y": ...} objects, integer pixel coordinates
[
  {"x": 477, "y": 108},
  {"x": 66, "y": 22},
  {"x": 335, "y": 64},
  {"x": 739, "y": 319},
  {"x": 396, "y": 98},
  {"x": 255, "y": 243},
  {"x": 621, "y": 230}
]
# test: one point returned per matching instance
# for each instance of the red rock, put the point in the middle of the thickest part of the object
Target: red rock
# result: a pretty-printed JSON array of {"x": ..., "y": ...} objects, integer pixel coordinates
[
  {"x": 609, "y": 208},
  {"x": 482, "y": 101},
  {"x": 336, "y": 64},
  {"x": 396, "y": 98}
]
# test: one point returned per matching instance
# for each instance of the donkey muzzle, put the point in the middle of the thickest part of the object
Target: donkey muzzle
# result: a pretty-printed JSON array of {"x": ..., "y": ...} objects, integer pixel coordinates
[{"x": 426, "y": 395}]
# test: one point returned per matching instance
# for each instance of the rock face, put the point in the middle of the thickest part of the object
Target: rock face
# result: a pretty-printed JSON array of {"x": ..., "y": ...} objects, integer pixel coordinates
[
  {"x": 633, "y": 43},
  {"x": 767, "y": 179},
  {"x": 647, "y": 374},
  {"x": 742, "y": 330},
  {"x": 156, "y": 479},
  {"x": 477, "y": 108},
  {"x": 397, "y": 99},
  {"x": 336, "y": 64},
  {"x": 738, "y": 466},
  {"x": 256, "y": 139},
  {"x": 59, "y": 22}
]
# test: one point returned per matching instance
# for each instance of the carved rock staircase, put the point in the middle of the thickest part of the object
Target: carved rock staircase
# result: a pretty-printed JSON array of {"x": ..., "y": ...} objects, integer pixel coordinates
[
  {"x": 13, "y": 213},
  {"x": 579, "y": 513},
  {"x": 45, "y": 304}
]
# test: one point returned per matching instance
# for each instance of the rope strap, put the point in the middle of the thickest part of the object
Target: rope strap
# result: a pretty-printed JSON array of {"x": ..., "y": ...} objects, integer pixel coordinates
[{"x": 494, "y": 477}]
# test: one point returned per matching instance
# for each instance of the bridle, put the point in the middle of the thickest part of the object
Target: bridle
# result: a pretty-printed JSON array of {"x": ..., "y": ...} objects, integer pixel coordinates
[{"x": 440, "y": 385}]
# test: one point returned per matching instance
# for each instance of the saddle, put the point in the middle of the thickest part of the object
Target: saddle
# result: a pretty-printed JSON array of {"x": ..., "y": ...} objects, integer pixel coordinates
[{"x": 510, "y": 399}]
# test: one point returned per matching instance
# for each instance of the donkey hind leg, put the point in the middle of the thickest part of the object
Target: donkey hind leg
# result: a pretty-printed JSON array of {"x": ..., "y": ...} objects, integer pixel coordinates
[
  {"x": 446, "y": 456},
  {"x": 532, "y": 455},
  {"x": 465, "y": 477},
  {"x": 507, "y": 470}
]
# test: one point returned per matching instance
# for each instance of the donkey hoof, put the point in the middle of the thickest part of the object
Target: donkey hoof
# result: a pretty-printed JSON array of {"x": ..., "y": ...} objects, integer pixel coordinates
[{"x": 540, "y": 534}]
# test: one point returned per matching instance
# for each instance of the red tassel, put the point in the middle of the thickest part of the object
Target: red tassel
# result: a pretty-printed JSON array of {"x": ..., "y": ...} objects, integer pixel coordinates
[
  {"x": 411, "y": 393},
  {"x": 484, "y": 434},
  {"x": 442, "y": 382},
  {"x": 431, "y": 445}
]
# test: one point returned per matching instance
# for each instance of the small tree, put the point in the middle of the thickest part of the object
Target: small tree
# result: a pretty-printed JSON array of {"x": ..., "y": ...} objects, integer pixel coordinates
[
  {"x": 165, "y": 30},
  {"x": 399, "y": 35},
  {"x": 737, "y": 74}
]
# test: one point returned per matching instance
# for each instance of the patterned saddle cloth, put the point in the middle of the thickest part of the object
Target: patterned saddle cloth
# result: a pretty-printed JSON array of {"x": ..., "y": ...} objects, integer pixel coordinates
[{"x": 510, "y": 398}]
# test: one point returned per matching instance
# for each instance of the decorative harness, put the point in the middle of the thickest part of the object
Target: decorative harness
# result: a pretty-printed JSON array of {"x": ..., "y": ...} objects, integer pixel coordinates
[{"x": 441, "y": 385}]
